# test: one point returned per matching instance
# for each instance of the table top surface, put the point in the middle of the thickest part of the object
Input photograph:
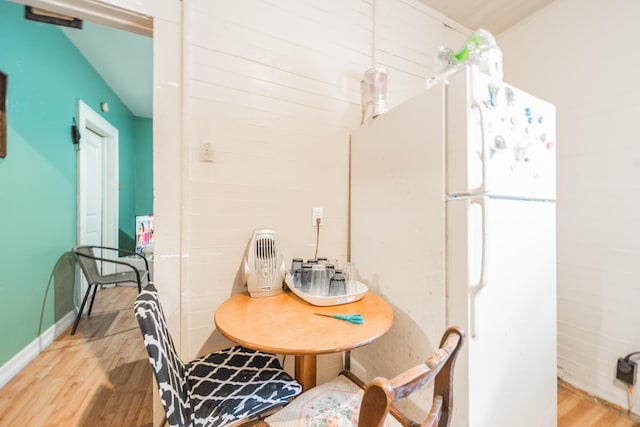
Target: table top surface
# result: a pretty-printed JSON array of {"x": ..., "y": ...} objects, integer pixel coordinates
[{"x": 285, "y": 324}]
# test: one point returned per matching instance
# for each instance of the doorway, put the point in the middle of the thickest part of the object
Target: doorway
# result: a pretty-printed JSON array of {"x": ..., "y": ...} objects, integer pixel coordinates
[{"x": 97, "y": 183}]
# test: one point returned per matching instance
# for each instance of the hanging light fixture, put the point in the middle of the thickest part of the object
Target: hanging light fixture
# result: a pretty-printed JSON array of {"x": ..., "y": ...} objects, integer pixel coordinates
[{"x": 374, "y": 85}]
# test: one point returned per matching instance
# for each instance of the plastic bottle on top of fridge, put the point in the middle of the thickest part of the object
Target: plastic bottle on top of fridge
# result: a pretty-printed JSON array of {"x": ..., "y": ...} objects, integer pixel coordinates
[{"x": 480, "y": 49}]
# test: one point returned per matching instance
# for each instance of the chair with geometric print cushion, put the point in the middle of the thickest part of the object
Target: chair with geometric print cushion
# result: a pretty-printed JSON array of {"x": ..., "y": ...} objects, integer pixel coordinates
[
  {"x": 220, "y": 388},
  {"x": 347, "y": 402}
]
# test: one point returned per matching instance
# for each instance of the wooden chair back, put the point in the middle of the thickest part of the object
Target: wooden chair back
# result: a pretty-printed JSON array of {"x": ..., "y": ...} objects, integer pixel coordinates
[{"x": 380, "y": 393}]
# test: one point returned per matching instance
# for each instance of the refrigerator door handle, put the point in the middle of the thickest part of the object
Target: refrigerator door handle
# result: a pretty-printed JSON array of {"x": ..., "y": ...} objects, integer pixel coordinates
[
  {"x": 474, "y": 288},
  {"x": 484, "y": 152}
]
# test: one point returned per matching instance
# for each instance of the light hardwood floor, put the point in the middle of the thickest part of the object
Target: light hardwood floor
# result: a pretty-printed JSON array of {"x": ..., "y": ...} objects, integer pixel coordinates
[
  {"x": 102, "y": 377},
  {"x": 577, "y": 409}
]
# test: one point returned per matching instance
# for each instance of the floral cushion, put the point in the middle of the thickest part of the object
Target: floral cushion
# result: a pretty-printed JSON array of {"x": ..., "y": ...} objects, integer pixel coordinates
[{"x": 335, "y": 404}]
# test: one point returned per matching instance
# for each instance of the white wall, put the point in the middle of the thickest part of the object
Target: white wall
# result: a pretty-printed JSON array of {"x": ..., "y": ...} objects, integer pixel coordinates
[
  {"x": 275, "y": 88},
  {"x": 583, "y": 57}
]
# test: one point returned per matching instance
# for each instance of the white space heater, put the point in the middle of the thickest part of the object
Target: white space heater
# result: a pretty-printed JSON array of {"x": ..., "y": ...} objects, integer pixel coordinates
[{"x": 264, "y": 268}]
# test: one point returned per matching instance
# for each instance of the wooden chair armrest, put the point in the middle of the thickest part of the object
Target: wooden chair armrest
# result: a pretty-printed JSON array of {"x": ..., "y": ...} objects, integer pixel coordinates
[
  {"x": 438, "y": 368},
  {"x": 393, "y": 410}
]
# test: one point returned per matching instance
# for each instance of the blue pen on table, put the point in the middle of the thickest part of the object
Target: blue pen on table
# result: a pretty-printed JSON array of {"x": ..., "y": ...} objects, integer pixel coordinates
[{"x": 353, "y": 318}]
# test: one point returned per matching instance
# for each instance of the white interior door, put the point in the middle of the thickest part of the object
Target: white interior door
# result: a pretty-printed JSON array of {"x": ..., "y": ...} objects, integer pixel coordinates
[
  {"x": 97, "y": 183},
  {"x": 91, "y": 178}
]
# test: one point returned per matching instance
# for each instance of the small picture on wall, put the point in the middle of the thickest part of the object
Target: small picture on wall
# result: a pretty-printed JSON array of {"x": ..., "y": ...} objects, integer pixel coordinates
[{"x": 3, "y": 114}]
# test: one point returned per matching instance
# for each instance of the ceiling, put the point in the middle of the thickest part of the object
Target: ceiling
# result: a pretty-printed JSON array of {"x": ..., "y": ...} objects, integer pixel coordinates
[
  {"x": 494, "y": 16},
  {"x": 125, "y": 60}
]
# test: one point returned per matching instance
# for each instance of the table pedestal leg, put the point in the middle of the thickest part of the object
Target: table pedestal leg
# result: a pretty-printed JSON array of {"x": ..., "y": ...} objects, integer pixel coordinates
[{"x": 306, "y": 371}]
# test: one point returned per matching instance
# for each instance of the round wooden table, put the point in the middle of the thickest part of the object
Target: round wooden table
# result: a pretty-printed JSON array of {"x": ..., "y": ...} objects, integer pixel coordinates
[{"x": 286, "y": 324}]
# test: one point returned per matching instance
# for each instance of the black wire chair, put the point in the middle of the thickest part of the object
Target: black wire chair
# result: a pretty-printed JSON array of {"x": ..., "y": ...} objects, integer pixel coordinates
[{"x": 91, "y": 266}]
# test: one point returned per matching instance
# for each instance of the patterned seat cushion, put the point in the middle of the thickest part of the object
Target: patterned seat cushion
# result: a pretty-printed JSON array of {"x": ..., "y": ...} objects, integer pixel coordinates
[
  {"x": 213, "y": 390},
  {"x": 335, "y": 403},
  {"x": 237, "y": 383}
]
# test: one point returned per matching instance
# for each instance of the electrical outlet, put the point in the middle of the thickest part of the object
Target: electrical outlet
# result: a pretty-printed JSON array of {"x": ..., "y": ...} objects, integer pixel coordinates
[
  {"x": 206, "y": 152},
  {"x": 317, "y": 213},
  {"x": 626, "y": 371}
]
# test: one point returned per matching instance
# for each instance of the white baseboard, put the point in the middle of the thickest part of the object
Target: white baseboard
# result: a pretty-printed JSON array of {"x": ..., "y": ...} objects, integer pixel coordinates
[{"x": 17, "y": 363}]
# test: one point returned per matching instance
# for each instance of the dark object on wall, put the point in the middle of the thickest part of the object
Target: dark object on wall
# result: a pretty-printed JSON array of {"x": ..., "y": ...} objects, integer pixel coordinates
[
  {"x": 75, "y": 134},
  {"x": 41, "y": 15},
  {"x": 3, "y": 114},
  {"x": 626, "y": 371}
]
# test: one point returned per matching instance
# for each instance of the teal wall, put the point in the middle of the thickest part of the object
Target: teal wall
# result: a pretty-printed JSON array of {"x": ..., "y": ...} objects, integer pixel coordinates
[
  {"x": 47, "y": 75},
  {"x": 143, "y": 134}
]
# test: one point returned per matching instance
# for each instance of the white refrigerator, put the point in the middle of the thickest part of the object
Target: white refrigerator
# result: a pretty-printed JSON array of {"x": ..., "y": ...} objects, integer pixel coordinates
[{"x": 453, "y": 221}]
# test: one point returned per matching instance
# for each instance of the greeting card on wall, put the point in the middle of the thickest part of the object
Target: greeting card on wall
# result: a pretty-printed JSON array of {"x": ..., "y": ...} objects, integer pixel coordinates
[{"x": 144, "y": 234}]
